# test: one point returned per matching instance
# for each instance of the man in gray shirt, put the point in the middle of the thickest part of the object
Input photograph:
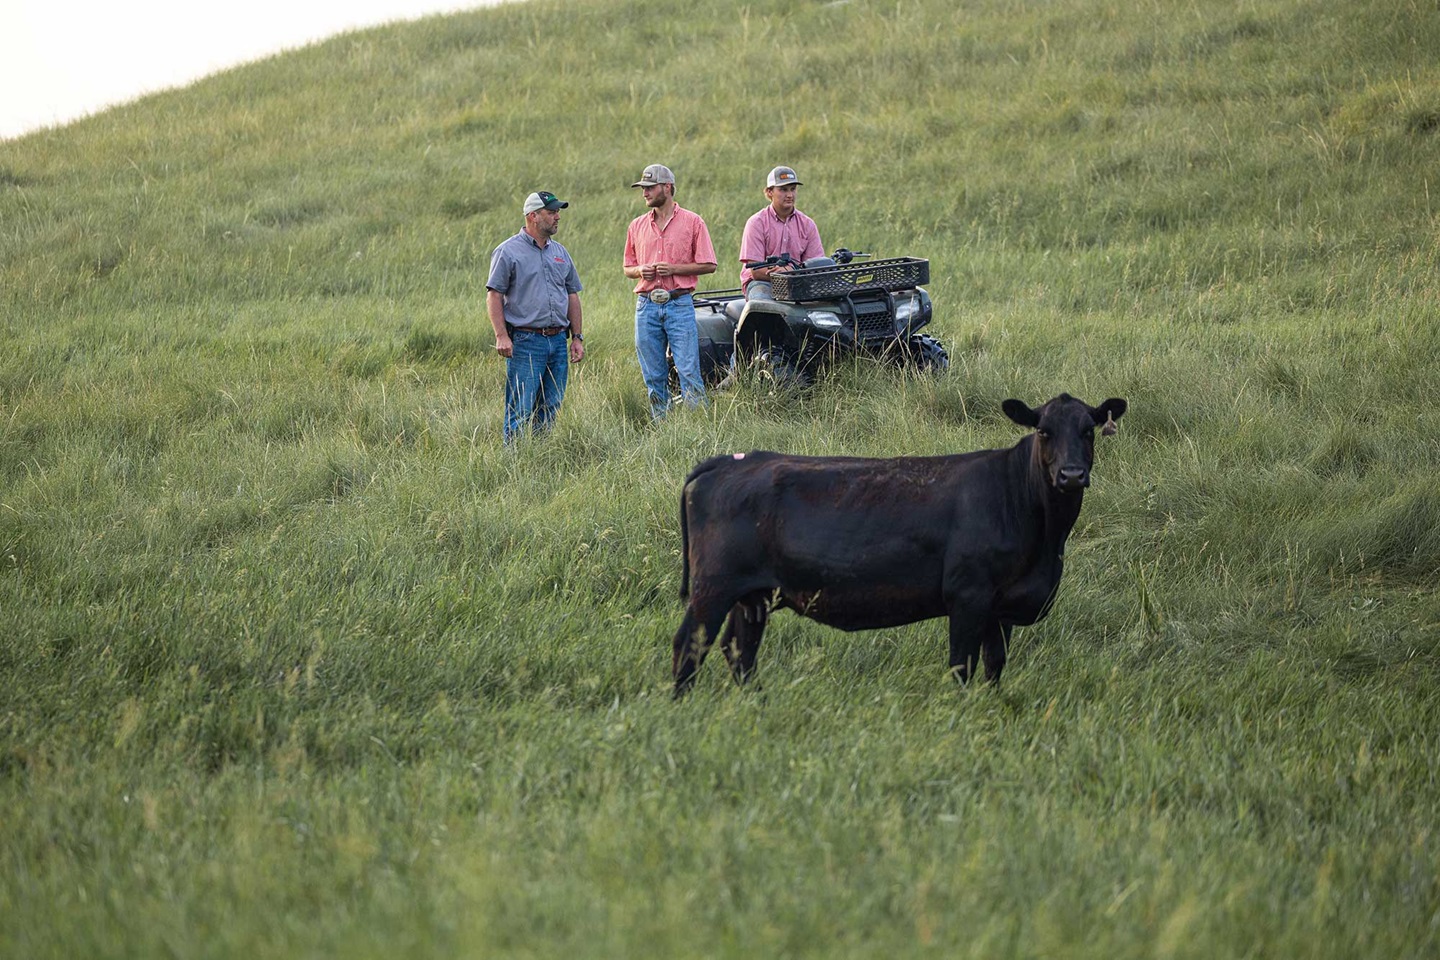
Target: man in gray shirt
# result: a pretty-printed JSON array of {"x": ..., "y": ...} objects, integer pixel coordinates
[{"x": 533, "y": 298}]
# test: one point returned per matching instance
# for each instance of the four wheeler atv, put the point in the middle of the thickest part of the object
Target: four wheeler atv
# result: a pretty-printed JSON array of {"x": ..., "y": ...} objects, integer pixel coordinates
[{"x": 829, "y": 306}]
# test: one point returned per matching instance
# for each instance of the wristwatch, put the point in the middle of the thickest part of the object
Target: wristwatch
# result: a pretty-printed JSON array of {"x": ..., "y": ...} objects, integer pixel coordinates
[{"x": 576, "y": 336}]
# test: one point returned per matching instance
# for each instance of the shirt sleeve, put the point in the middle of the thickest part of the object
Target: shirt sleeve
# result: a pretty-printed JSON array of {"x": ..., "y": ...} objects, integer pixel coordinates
[
  {"x": 632, "y": 259},
  {"x": 752, "y": 248},
  {"x": 752, "y": 245},
  {"x": 501, "y": 271},
  {"x": 704, "y": 250},
  {"x": 814, "y": 248},
  {"x": 572, "y": 279}
]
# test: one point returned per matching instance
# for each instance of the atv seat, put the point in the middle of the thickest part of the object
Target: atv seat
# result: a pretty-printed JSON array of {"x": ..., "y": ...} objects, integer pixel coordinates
[{"x": 734, "y": 308}]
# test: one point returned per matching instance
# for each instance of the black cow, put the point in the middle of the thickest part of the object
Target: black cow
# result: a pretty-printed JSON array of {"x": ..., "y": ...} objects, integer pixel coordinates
[{"x": 861, "y": 544}]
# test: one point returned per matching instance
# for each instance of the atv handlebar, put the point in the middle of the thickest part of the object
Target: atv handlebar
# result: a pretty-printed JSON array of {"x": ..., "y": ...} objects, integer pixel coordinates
[
  {"x": 840, "y": 256},
  {"x": 783, "y": 260}
]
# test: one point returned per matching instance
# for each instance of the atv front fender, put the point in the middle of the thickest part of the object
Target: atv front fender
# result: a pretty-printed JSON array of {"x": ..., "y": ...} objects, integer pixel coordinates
[{"x": 763, "y": 326}]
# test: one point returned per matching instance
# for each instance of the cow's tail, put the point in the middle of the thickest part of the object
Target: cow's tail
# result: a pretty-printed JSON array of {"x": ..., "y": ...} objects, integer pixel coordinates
[{"x": 702, "y": 468}]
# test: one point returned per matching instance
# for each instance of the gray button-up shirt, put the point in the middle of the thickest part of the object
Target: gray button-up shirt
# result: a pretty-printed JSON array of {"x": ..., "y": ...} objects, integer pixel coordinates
[{"x": 535, "y": 281}]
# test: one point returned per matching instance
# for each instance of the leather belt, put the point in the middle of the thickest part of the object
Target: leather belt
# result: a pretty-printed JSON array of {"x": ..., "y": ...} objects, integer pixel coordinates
[
  {"x": 543, "y": 331},
  {"x": 663, "y": 296}
]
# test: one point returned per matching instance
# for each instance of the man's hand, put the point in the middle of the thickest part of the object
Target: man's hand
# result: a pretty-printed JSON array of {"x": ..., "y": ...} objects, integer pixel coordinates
[
  {"x": 577, "y": 350},
  {"x": 504, "y": 346}
]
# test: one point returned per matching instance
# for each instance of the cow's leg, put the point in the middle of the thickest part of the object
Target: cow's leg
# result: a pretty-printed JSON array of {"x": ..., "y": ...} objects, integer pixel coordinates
[
  {"x": 692, "y": 642},
  {"x": 965, "y": 640},
  {"x": 743, "y": 632},
  {"x": 994, "y": 649},
  {"x": 729, "y": 640}
]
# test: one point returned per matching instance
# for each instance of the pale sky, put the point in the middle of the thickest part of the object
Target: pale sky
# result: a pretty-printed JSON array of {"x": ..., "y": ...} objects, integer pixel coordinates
[{"x": 63, "y": 59}]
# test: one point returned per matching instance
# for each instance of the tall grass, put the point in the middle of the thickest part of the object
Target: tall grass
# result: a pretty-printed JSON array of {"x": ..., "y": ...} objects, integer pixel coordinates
[{"x": 296, "y": 660}]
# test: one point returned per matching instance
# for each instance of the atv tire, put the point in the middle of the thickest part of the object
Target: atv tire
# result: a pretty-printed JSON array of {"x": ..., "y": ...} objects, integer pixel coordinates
[
  {"x": 926, "y": 354},
  {"x": 785, "y": 370}
]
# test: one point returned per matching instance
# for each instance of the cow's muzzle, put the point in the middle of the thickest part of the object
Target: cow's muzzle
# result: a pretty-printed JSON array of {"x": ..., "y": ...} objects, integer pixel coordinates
[{"x": 1071, "y": 479}]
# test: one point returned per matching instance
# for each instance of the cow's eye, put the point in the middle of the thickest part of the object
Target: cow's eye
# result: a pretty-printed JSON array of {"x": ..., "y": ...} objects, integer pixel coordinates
[{"x": 1043, "y": 434}]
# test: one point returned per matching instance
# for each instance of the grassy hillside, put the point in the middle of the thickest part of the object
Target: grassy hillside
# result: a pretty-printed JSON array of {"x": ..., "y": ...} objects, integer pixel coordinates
[{"x": 295, "y": 660}]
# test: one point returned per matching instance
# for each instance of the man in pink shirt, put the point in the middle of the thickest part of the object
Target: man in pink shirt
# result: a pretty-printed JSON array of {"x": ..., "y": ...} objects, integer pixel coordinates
[
  {"x": 666, "y": 249},
  {"x": 777, "y": 229}
]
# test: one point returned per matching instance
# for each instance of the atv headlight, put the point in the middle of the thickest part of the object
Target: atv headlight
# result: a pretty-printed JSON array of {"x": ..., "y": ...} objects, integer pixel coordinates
[
  {"x": 906, "y": 308},
  {"x": 824, "y": 320}
]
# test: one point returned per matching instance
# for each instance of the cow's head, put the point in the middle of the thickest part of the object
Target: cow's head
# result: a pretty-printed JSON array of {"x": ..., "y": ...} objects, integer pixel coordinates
[{"x": 1065, "y": 436}]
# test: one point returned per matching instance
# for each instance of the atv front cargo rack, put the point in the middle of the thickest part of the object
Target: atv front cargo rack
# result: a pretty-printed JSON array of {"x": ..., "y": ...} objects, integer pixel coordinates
[{"x": 832, "y": 283}]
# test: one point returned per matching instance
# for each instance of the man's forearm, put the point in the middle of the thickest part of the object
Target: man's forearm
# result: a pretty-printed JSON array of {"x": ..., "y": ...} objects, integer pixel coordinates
[
  {"x": 693, "y": 269},
  {"x": 683, "y": 269},
  {"x": 573, "y": 314},
  {"x": 495, "y": 307}
]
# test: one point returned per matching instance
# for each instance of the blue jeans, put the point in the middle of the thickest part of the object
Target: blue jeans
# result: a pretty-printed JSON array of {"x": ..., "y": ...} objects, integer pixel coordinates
[
  {"x": 759, "y": 290},
  {"x": 657, "y": 324},
  {"x": 535, "y": 375}
]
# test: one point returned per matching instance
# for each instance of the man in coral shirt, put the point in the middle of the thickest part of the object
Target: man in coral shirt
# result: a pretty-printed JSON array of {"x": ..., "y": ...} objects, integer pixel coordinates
[
  {"x": 666, "y": 249},
  {"x": 777, "y": 229}
]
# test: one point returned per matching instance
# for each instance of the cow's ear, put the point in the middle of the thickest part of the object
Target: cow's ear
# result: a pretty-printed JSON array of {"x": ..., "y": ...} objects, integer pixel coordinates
[
  {"x": 1108, "y": 412},
  {"x": 1021, "y": 413},
  {"x": 1112, "y": 409}
]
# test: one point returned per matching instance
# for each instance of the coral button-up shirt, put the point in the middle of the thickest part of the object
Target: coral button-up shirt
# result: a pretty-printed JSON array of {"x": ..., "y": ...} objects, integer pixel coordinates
[
  {"x": 766, "y": 235},
  {"x": 685, "y": 239}
]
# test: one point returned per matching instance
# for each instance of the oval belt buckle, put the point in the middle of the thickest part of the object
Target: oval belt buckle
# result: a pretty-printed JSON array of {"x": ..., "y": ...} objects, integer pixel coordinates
[{"x": 659, "y": 296}]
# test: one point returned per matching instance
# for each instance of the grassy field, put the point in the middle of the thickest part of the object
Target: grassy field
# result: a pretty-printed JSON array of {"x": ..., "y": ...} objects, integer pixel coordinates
[{"x": 296, "y": 661}]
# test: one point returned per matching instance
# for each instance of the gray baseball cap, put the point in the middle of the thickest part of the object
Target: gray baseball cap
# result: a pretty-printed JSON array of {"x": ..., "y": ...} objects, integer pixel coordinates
[
  {"x": 653, "y": 174},
  {"x": 782, "y": 177},
  {"x": 543, "y": 200}
]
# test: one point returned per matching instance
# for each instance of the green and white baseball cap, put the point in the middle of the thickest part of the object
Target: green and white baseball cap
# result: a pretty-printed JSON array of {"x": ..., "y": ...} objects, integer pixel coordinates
[{"x": 543, "y": 200}]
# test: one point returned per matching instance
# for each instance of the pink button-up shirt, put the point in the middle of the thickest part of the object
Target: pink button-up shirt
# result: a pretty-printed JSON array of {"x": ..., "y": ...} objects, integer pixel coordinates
[
  {"x": 685, "y": 239},
  {"x": 766, "y": 235}
]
